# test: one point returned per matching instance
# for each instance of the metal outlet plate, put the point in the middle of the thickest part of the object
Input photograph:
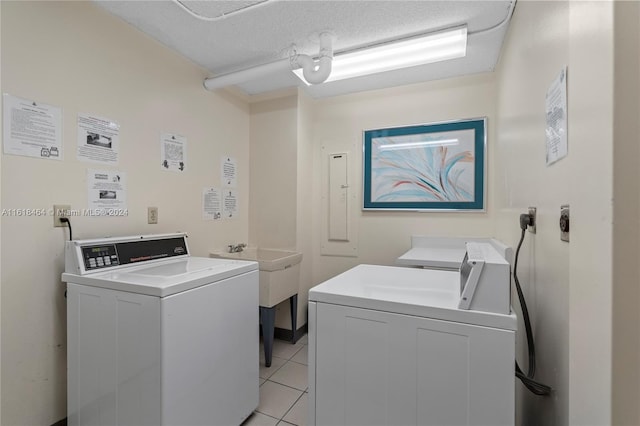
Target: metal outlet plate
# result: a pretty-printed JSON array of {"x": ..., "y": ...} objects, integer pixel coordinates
[
  {"x": 564, "y": 223},
  {"x": 532, "y": 213}
]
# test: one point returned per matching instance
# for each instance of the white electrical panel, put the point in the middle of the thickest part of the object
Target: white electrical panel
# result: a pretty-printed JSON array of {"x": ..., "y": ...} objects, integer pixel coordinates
[
  {"x": 338, "y": 197},
  {"x": 339, "y": 236}
]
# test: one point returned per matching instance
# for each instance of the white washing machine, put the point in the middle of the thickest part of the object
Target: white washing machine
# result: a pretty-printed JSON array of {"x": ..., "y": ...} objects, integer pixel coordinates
[
  {"x": 411, "y": 346},
  {"x": 157, "y": 337}
]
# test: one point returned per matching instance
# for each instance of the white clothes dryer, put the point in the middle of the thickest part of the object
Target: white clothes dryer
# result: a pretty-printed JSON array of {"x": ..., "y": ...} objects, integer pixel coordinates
[
  {"x": 412, "y": 346},
  {"x": 157, "y": 337}
]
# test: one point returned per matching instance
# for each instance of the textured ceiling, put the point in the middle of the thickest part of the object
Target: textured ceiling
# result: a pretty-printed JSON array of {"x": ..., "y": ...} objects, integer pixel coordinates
[{"x": 234, "y": 35}]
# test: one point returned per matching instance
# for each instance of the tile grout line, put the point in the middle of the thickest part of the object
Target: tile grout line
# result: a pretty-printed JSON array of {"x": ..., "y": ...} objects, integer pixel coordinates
[
  {"x": 289, "y": 359},
  {"x": 283, "y": 364},
  {"x": 271, "y": 417},
  {"x": 276, "y": 370},
  {"x": 290, "y": 408},
  {"x": 298, "y": 350},
  {"x": 284, "y": 384},
  {"x": 287, "y": 386}
]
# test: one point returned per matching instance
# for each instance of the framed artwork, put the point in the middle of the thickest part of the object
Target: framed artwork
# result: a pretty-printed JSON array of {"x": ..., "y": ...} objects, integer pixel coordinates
[{"x": 429, "y": 167}]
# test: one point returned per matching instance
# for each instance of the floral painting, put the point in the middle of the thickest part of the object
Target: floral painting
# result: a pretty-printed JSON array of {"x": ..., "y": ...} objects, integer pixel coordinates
[{"x": 438, "y": 166}]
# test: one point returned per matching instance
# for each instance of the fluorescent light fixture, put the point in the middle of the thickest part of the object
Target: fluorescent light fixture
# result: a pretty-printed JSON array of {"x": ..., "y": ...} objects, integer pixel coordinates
[
  {"x": 412, "y": 145},
  {"x": 433, "y": 47}
]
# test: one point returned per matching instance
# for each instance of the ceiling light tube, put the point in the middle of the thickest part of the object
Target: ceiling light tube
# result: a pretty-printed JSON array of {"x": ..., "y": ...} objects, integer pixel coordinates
[{"x": 433, "y": 47}]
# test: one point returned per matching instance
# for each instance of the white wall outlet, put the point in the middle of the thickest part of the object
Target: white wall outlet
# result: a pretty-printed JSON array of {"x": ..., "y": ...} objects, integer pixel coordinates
[
  {"x": 60, "y": 210},
  {"x": 152, "y": 215}
]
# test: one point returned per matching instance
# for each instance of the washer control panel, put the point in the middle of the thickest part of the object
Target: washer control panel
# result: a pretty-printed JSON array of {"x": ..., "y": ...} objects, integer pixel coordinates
[
  {"x": 87, "y": 256},
  {"x": 101, "y": 256}
]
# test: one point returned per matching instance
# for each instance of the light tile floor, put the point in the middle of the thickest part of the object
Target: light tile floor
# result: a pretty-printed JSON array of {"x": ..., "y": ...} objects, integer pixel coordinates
[{"x": 283, "y": 386}]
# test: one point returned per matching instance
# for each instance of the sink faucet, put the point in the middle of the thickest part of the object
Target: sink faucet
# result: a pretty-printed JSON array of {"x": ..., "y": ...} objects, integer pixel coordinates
[{"x": 236, "y": 248}]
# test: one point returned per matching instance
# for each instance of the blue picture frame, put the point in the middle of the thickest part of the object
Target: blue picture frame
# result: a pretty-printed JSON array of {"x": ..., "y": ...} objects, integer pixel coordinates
[{"x": 428, "y": 167}]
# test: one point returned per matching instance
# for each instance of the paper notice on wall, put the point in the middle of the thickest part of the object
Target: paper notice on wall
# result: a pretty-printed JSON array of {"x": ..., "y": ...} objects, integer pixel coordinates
[
  {"x": 98, "y": 139},
  {"x": 173, "y": 152},
  {"x": 211, "y": 204},
  {"x": 230, "y": 200},
  {"x": 229, "y": 169},
  {"x": 107, "y": 192},
  {"x": 556, "y": 111},
  {"x": 31, "y": 128}
]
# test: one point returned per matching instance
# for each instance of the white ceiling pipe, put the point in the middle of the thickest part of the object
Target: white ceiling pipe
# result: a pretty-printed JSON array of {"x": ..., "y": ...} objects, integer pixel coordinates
[
  {"x": 237, "y": 77},
  {"x": 223, "y": 15},
  {"x": 314, "y": 72}
]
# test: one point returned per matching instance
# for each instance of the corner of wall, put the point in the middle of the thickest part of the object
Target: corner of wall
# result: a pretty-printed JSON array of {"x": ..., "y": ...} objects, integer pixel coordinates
[
  {"x": 273, "y": 165},
  {"x": 626, "y": 216},
  {"x": 569, "y": 298},
  {"x": 305, "y": 212},
  {"x": 591, "y": 97},
  {"x": 1, "y": 133}
]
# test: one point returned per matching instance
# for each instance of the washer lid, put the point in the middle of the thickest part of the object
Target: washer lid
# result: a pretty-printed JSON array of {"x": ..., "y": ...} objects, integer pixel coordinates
[
  {"x": 167, "y": 277},
  {"x": 449, "y": 258},
  {"x": 410, "y": 291}
]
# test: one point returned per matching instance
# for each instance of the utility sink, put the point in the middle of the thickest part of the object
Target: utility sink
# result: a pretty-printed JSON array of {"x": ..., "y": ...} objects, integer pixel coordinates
[
  {"x": 268, "y": 259},
  {"x": 279, "y": 278},
  {"x": 279, "y": 272}
]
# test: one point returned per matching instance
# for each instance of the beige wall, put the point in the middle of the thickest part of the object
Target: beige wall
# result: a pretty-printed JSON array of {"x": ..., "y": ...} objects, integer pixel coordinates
[
  {"x": 272, "y": 219},
  {"x": 626, "y": 226},
  {"x": 383, "y": 236},
  {"x": 77, "y": 56},
  {"x": 568, "y": 285},
  {"x": 590, "y": 265},
  {"x": 1, "y": 204},
  {"x": 306, "y": 196},
  {"x": 274, "y": 186},
  {"x": 281, "y": 200},
  {"x": 536, "y": 49}
]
